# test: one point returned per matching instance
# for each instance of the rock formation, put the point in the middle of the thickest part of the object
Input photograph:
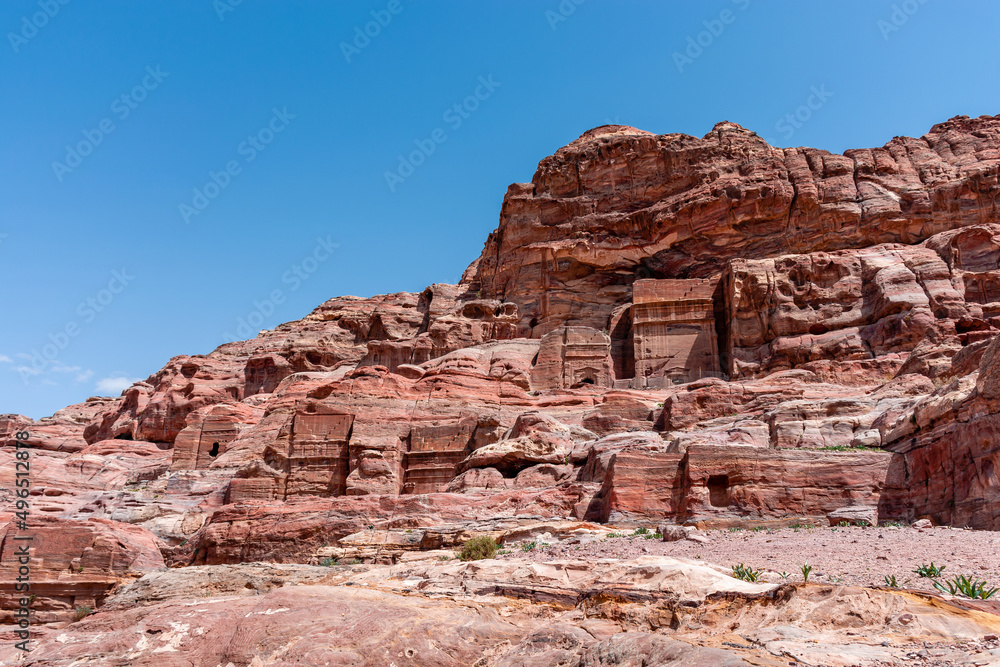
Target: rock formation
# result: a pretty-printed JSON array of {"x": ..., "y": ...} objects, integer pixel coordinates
[{"x": 662, "y": 330}]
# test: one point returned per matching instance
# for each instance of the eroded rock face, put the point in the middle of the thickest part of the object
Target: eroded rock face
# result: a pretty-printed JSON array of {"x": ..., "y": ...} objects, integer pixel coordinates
[
  {"x": 947, "y": 451},
  {"x": 535, "y": 438},
  {"x": 62, "y": 432},
  {"x": 296, "y": 530},
  {"x": 858, "y": 309},
  {"x": 619, "y": 204},
  {"x": 73, "y": 564},
  {"x": 718, "y": 486}
]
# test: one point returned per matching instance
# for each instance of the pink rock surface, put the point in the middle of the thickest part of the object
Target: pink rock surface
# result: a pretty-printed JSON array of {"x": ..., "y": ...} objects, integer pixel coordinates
[{"x": 72, "y": 564}]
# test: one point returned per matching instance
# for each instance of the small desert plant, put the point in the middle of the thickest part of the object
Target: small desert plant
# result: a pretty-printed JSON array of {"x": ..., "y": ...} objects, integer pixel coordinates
[
  {"x": 806, "y": 569},
  {"x": 529, "y": 546},
  {"x": 640, "y": 531},
  {"x": 844, "y": 524},
  {"x": 735, "y": 529},
  {"x": 757, "y": 529},
  {"x": 610, "y": 535},
  {"x": 848, "y": 448},
  {"x": 654, "y": 536},
  {"x": 355, "y": 561},
  {"x": 971, "y": 588},
  {"x": 745, "y": 573},
  {"x": 479, "y": 548},
  {"x": 328, "y": 562},
  {"x": 784, "y": 575},
  {"x": 929, "y": 570},
  {"x": 82, "y": 612},
  {"x": 890, "y": 581}
]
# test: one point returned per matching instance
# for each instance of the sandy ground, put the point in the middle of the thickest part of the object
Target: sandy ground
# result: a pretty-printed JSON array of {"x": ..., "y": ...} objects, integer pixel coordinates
[{"x": 853, "y": 556}]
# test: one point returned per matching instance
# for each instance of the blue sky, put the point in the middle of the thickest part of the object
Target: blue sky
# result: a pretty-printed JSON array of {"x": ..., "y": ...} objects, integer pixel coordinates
[{"x": 168, "y": 167}]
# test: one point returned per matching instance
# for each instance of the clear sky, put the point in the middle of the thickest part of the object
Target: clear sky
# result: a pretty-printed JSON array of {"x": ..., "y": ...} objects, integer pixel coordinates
[{"x": 166, "y": 167}]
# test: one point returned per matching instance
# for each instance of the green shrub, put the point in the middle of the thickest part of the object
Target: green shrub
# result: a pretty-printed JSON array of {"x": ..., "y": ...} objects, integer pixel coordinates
[
  {"x": 806, "y": 569},
  {"x": 529, "y": 546},
  {"x": 479, "y": 548},
  {"x": 82, "y": 612},
  {"x": 745, "y": 573},
  {"x": 890, "y": 581},
  {"x": 971, "y": 588},
  {"x": 929, "y": 570},
  {"x": 848, "y": 448}
]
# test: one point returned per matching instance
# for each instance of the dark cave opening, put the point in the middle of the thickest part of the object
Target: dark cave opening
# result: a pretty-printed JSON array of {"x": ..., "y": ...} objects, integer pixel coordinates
[{"x": 718, "y": 490}]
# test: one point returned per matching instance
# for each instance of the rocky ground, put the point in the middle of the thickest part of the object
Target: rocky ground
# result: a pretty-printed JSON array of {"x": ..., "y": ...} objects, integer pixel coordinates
[
  {"x": 642, "y": 611},
  {"x": 842, "y": 555}
]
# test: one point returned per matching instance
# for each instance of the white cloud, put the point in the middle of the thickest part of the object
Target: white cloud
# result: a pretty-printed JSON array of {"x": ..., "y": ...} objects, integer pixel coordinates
[
  {"x": 84, "y": 376},
  {"x": 60, "y": 368},
  {"x": 112, "y": 386},
  {"x": 4, "y": 359},
  {"x": 27, "y": 370}
]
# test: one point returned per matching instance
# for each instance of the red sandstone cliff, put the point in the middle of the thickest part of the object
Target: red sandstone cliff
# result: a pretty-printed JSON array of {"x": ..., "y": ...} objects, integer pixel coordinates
[
  {"x": 708, "y": 331},
  {"x": 619, "y": 203}
]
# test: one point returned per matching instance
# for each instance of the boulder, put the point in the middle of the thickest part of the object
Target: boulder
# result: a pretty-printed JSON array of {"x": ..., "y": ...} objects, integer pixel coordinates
[
  {"x": 856, "y": 515},
  {"x": 672, "y": 532}
]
